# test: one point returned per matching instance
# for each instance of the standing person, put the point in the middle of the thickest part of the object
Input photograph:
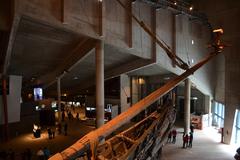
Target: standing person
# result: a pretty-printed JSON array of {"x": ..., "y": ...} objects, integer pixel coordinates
[
  {"x": 59, "y": 126},
  {"x": 185, "y": 140},
  {"x": 77, "y": 116},
  {"x": 190, "y": 140},
  {"x": 192, "y": 128},
  {"x": 169, "y": 137},
  {"x": 65, "y": 129},
  {"x": 63, "y": 115},
  {"x": 174, "y": 135},
  {"x": 49, "y": 133},
  {"x": 53, "y": 132}
]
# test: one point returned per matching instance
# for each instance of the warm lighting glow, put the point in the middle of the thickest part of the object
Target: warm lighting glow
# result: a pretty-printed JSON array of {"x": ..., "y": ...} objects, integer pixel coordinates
[
  {"x": 192, "y": 41},
  {"x": 141, "y": 81},
  {"x": 65, "y": 94},
  {"x": 30, "y": 95},
  {"x": 99, "y": 0},
  {"x": 191, "y": 8},
  {"x": 175, "y": 3},
  {"x": 220, "y": 30}
]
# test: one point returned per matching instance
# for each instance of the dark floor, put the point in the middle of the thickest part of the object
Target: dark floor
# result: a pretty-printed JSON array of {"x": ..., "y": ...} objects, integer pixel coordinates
[
  {"x": 76, "y": 129},
  {"x": 206, "y": 144}
]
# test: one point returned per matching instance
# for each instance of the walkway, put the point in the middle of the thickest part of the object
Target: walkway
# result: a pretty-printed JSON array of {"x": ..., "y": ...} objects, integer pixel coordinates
[{"x": 206, "y": 146}]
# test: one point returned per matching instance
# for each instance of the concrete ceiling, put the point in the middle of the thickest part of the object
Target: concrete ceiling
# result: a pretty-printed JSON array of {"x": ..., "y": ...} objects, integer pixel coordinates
[
  {"x": 42, "y": 52},
  {"x": 150, "y": 70},
  {"x": 39, "y": 49}
]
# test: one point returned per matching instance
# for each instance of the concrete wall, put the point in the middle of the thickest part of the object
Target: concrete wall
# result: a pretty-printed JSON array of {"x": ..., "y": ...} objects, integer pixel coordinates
[
  {"x": 13, "y": 100},
  {"x": 186, "y": 33},
  {"x": 142, "y": 42},
  {"x": 225, "y": 14},
  {"x": 83, "y": 17}
]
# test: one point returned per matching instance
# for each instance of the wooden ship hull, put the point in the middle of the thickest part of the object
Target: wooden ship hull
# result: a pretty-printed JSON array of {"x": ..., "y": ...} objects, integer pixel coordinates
[
  {"x": 90, "y": 147},
  {"x": 142, "y": 141}
]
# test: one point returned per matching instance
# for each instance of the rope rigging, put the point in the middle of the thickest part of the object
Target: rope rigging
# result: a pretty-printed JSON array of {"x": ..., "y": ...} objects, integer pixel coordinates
[{"x": 176, "y": 60}]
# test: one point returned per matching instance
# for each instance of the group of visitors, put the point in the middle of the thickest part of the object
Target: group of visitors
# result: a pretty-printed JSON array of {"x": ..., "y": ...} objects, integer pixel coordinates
[
  {"x": 172, "y": 136},
  {"x": 187, "y": 138}
]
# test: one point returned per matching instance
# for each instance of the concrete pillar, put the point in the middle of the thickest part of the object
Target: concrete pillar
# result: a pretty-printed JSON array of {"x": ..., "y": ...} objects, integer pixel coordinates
[
  {"x": 59, "y": 98},
  {"x": 187, "y": 99},
  {"x": 230, "y": 110},
  {"x": 5, "y": 108},
  {"x": 11, "y": 97},
  {"x": 99, "y": 83},
  {"x": 134, "y": 90},
  {"x": 207, "y": 108},
  {"x": 124, "y": 92}
]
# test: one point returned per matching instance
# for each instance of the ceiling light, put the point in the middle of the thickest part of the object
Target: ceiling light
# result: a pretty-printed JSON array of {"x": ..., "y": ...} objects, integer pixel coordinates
[
  {"x": 191, "y": 8},
  {"x": 175, "y": 3}
]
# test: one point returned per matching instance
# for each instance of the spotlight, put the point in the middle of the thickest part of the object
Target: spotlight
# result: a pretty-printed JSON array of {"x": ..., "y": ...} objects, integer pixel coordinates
[
  {"x": 191, "y": 8},
  {"x": 175, "y": 3}
]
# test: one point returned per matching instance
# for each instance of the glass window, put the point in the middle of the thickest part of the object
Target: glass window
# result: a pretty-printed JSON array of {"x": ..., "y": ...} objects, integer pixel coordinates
[
  {"x": 237, "y": 128},
  {"x": 218, "y": 115}
]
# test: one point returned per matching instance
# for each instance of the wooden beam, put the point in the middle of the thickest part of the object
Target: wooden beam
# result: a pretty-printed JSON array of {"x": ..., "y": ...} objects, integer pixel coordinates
[{"x": 93, "y": 138}]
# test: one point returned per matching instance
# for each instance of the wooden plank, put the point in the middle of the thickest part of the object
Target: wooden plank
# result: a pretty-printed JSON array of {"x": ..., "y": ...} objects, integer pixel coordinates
[{"x": 94, "y": 137}]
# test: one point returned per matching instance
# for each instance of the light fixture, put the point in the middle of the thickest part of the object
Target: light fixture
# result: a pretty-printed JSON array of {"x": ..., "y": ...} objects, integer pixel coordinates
[
  {"x": 191, "y": 8},
  {"x": 175, "y": 3},
  {"x": 75, "y": 78},
  {"x": 192, "y": 61},
  {"x": 192, "y": 42}
]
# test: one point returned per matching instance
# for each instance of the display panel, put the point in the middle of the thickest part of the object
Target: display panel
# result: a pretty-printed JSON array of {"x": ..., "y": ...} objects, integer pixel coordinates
[{"x": 38, "y": 93}]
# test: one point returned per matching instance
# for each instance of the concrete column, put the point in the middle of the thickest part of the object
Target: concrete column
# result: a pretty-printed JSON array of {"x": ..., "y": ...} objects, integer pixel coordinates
[
  {"x": 5, "y": 108},
  {"x": 230, "y": 110},
  {"x": 99, "y": 83},
  {"x": 134, "y": 90},
  {"x": 59, "y": 98},
  {"x": 207, "y": 108},
  {"x": 187, "y": 99},
  {"x": 124, "y": 92}
]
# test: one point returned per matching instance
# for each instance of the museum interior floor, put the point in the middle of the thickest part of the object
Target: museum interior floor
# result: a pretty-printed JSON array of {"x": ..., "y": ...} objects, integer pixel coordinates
[{"x": 206, "y": 144}]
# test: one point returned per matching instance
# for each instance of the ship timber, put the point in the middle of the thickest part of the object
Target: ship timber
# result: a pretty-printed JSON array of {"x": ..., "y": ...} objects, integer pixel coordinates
[{"x": 87, "y": 146}]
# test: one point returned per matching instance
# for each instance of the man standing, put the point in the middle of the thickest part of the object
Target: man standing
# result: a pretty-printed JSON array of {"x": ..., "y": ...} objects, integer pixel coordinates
[{"x": 174, "y": 135}]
